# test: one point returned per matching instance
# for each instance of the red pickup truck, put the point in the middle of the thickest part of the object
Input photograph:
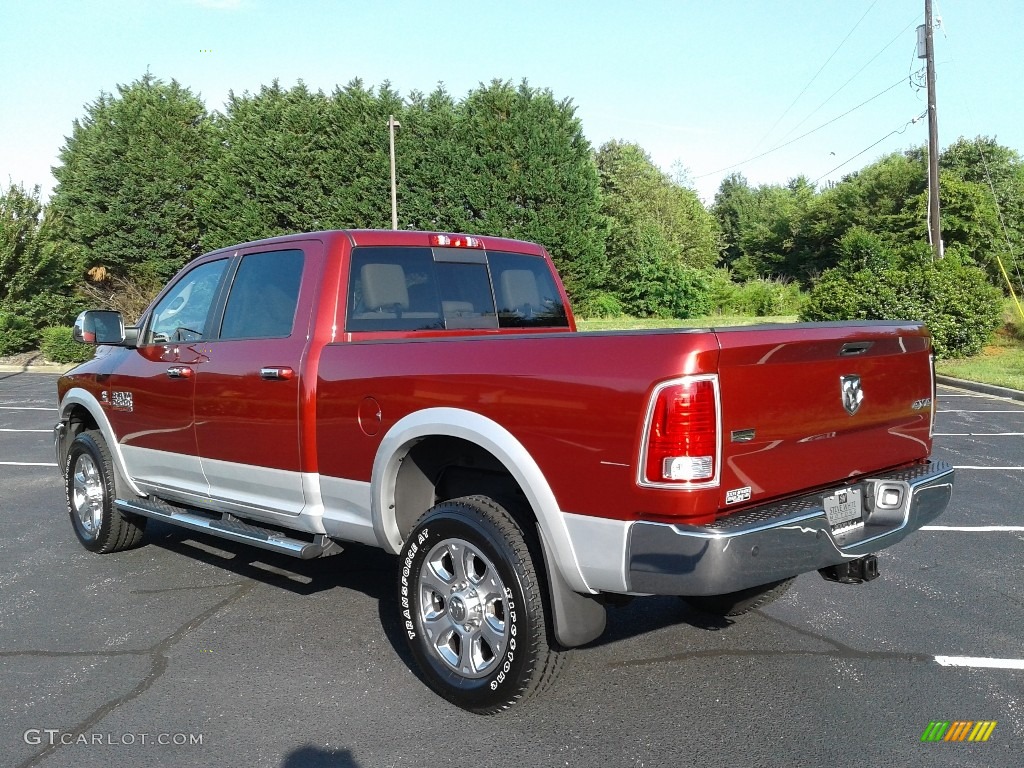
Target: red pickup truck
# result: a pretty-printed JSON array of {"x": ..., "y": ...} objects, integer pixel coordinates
[{"x": 429, "y": 394}]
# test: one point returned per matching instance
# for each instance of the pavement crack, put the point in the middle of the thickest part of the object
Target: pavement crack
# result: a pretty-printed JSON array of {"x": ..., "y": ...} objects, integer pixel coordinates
[
  {"x": 754, "y": 653},
  {"x": 838, "y": 651},
  {"x": 73, "y": 654},
  {"x": 185, "y": 589},
  {"x": 158, "y": 655}
]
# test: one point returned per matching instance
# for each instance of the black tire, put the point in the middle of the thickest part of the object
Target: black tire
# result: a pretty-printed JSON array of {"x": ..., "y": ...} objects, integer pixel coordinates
[
  {"x": 472, "y": 606},
  {"x": 743, "y": 601},
  {"x": 90, "y": 492}
]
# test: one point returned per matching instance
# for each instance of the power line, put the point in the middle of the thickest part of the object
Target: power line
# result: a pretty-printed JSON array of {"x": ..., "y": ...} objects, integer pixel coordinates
[
  {"x": 815, "y": 77},
  {"x": 802, "y": 136},
  {"x": 854, "y": 76},
  {"x": 901, "y": 129}
]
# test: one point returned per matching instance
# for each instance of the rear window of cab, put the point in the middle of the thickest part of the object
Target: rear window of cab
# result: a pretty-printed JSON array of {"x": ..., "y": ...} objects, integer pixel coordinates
[{"x": 395, "y": 288}]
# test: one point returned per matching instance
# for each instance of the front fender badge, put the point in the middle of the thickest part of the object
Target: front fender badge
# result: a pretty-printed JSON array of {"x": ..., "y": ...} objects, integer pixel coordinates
[{"x": 852, "y": 394}]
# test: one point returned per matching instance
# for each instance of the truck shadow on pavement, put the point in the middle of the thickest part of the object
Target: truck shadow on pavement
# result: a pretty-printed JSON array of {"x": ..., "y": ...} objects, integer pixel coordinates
[
  {"x": 372, "y": 572},
  {"x": 367, "y": 570},
  {"x": 315, "y": 757}
]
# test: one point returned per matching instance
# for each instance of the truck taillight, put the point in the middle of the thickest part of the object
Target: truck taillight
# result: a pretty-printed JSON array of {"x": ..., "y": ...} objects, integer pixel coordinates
[
  {"x": 681, "y": 439},
  {"x": 456, "y": 241}
]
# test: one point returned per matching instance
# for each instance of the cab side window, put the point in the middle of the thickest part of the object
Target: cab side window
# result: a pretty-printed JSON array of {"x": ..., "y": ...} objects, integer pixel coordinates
[
  {"x": 184, "y": 313},
  {"x": 263, "y": 297}
]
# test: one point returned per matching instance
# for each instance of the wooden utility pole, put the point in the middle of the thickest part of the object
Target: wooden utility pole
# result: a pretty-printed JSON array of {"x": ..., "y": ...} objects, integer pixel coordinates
[
  {"x": 934, "y": 227},
  {"x": 392, "y": 124}
]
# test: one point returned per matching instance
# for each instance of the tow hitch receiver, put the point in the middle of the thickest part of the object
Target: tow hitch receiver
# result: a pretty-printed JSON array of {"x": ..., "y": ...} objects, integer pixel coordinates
[{"x": 853, "y": 571}]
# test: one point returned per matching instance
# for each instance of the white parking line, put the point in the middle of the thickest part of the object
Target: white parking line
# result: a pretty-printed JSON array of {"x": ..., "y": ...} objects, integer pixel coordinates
[
  {"x": 975, "y": 528},
  {"x": 26, "y": 464},
  {"x": 977, "y": 661},
  {"x": 958, "y": 410},
  {"x": 979, "y": 434},
  {"x": 1001, "y": 469},
  {"x": 24, "y": 408},
  {"x": 25, "y": 430}
]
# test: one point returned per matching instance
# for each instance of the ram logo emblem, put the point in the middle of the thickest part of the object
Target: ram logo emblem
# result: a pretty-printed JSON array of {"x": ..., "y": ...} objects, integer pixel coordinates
[{"x": 853, "y": 395}]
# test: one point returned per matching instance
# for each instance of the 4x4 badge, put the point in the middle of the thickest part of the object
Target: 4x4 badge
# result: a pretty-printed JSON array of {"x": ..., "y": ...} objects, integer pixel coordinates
[{"x": 853, "y": 395}]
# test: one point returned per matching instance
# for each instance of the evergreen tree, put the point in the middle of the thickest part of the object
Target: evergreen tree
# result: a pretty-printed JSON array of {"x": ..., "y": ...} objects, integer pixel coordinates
[
  {"x": 528, "y": 172},
  {"x": 358, "y": 166},
  {"x": 267, "y": 179},
  {"x": 128, "y": 179},
  {"x": 430, "y": 161}
]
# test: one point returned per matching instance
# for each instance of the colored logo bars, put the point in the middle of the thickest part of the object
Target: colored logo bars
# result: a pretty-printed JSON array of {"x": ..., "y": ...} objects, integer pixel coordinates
[{"x": 958, "y": 730}]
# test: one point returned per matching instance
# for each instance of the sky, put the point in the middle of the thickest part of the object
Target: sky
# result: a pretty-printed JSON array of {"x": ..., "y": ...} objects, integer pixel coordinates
[{"x": 771, "y": 89}]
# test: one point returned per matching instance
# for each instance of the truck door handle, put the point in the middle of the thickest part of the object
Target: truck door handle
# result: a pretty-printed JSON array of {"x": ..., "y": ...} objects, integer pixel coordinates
[
  {"x": 277, "y": 373},
  {"x": 179, "y": 372}
]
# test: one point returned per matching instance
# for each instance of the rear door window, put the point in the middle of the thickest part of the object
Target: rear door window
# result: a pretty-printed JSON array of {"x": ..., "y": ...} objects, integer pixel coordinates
[{"x": 264, "y": 295}]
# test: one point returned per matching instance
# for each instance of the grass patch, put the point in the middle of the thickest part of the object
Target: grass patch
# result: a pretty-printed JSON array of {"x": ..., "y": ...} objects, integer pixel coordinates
[
  {"x": 1000, "y": 363},
  {"x": 642, "y": 323}
]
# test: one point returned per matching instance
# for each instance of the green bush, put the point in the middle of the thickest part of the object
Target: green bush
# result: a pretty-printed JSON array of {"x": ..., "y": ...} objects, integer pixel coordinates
[
  {"x": 46, "y": 309},
  {"x": 722, "y": 290},
  {"x": 600, "y": 304},
  {"x": 763, "y": 297},
  {"x": 17, "y": 334},
  {"x": 59, "y": 347},
  {"x": 689, "y": 293},
  {"x": 960, "y": 307},
  {"x": 756, "y": 297}
]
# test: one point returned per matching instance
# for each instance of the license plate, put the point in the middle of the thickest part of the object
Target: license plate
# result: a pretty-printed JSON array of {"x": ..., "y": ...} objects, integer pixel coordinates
[{"x": 843, "y": 507}]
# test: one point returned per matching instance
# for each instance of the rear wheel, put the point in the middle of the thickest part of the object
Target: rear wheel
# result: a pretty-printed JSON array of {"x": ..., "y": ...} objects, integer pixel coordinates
[
  {"x": 472, "y": 606},
  {"x": 743, "y": 601},
  {"x": 90, "y": 492}
]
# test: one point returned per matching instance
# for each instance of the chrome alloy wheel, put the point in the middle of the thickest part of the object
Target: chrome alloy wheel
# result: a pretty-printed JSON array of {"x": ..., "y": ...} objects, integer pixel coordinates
[
  {"x": 87, "y": 494},
  {"x": 462, "y": 609}
]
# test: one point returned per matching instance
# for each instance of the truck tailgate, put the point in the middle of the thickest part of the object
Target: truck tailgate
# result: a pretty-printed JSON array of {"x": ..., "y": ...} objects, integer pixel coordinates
[{"x": 806, "y": 406}]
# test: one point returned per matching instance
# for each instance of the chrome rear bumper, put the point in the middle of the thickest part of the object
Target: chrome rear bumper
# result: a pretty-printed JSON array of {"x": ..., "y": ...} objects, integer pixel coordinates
[{"x": 774, "y": 542}]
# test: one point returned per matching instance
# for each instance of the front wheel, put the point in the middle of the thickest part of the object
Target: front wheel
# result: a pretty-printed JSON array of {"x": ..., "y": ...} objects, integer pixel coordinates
[
  {"x": 90, "y": 491},
  {"x": 472, "y": 606}
]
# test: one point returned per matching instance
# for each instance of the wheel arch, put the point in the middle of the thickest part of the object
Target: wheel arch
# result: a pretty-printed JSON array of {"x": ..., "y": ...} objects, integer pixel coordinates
[
  {"x": 402, "y": 487},
  {"x": 79, "y": 411}
]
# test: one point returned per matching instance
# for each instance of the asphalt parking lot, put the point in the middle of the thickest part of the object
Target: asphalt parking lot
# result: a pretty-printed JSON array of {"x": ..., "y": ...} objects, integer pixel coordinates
[{"x": 192, "y": 651}]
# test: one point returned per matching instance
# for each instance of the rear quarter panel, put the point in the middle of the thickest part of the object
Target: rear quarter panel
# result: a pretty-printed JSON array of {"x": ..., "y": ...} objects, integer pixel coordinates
[{"x": 575, "y": 401}]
